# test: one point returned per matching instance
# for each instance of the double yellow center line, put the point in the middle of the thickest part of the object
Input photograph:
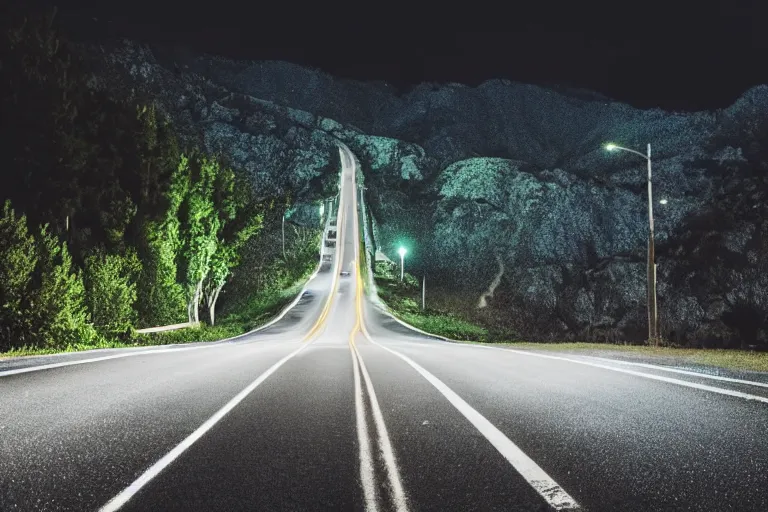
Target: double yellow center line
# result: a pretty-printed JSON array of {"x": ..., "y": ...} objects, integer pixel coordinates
[{"x": 338, "y": 259}]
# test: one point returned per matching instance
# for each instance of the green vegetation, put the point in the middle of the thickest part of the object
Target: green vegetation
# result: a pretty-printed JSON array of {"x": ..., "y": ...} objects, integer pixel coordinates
[
  {"x": 110, "y": 283},
  {"x": 737, "y": 359},
  {"x": 111, "y": 223},
  {"x": 404, "y": 299}
]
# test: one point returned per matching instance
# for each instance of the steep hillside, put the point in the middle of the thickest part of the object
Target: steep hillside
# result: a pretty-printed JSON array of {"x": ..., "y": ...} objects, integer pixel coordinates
[{"x": 513, "y": 173}]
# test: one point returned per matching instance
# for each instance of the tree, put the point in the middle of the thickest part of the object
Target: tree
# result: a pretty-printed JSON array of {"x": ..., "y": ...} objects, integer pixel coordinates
[
  {"x": 38, "y": 105},
  {"x": 60, "y": 316},
  {"x": 110, "y": 283},
  {"x": 201, "y": 224},
  {"x": 17, "y": 262},
  {"x": 238, "y": 222},
  {"x": 162, "y": 297}
]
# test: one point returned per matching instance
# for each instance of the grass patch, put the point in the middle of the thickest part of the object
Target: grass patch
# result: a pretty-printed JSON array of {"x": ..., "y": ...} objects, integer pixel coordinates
[
  {"x": 445, "y": 325},
  {"x": 403, "y": 299},
  {"x": 737, "y": 359},
  {"x": 579, "y": 345},
  {"x": 78, "y": 347}
]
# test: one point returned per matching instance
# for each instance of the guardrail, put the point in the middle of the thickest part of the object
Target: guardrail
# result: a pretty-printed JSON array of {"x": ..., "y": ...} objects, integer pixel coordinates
[
  {"x": 367, "y": 240},
  {"x": 166, "y": 328}
]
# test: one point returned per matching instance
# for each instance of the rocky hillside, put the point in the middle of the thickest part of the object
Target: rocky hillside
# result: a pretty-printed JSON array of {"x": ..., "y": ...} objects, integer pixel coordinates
[{"x": 506, "y": 178}]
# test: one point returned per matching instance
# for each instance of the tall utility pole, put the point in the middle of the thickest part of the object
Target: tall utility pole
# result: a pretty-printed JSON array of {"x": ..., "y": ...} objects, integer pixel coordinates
[
  {"x": 423, "y": 293},
  {"x": 284, "y": 233},
  {"x": 653, "y": 314},
  {"x": 402, "y": 252}
]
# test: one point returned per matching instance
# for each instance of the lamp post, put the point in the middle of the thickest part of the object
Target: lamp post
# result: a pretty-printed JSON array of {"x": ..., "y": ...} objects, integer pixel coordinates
[
  {"x": 653, "y": 317},
  {"x": 402, "y": 252}
]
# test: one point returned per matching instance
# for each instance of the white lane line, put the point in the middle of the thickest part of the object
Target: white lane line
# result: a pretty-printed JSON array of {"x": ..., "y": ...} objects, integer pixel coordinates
[
  {"x": 16, "y": 371},
  {"x": 129, "y": 492},
  {"x": 367, "y": 477},
  {"x": 678, "y": 382},
  {"x": 683, "y": 372},
  {"x": 399, "y": 499},
  {"x": 547, "y": 488}
]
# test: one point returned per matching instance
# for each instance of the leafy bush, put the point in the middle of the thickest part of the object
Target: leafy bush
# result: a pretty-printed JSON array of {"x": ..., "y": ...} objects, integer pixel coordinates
[
  {"x": 110, "y": 283},
  {"x": 17, "y": 262},
  {"x": 57, "y": 306}
]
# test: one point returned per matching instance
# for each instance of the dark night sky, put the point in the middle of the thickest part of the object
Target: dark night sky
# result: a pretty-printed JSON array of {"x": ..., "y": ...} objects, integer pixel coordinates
[{"x": 678, "y": 55}]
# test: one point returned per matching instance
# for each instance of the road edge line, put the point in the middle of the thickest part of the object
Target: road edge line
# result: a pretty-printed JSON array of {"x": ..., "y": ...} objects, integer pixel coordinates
[
  {"x": 669, "y": 380},
  {"x": 471, "y": 344},
  {"x": 157, "y": 468},
  {"x": 51, "y": 366},
  {"x": 680, "y": 371},
  {"x": 661, "y": 378},
  {"x": 282, "y": 313}
]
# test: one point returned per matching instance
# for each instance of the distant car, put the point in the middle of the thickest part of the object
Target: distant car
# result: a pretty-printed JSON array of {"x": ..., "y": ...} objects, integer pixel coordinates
[
  {"x": 344, "y": 273},
  {"x": 307, "y": 293}
]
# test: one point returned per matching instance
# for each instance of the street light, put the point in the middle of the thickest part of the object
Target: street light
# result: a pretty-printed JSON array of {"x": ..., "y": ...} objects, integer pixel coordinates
[
  {"x": 402, "y": 252},
  {"x": 653, "y": 317},
  {"x": 362, "y": 196}
]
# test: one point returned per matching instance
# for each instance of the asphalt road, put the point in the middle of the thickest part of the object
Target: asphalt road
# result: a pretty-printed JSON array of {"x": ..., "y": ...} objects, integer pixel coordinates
[{"x": 339, "y": 407}]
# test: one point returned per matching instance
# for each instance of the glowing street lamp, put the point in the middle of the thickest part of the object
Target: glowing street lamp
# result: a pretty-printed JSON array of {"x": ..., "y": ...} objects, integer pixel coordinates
[
  {"x": 402, "y": 252},
  {"x": 653, "y": 317}
]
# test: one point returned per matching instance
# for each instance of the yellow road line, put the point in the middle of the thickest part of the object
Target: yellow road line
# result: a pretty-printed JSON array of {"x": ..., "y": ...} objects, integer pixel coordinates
[
  {"x": 356, "y": 266},
  {"x": 358, "y": 308},
  {"x": 339, "y": 258}
]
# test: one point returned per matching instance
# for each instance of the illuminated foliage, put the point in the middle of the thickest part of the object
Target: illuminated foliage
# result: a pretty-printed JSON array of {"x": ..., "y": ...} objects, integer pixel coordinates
[
  {"x": 110, "y": 283},
  {"x": 17, "y": 262},
  {"x": 239, "y": 221},
  {"x": 57, "y": 303}
]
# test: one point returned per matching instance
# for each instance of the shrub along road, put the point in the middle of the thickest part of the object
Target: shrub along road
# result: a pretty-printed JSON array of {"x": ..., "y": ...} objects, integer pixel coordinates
[{"x": 339, "y": 407}]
